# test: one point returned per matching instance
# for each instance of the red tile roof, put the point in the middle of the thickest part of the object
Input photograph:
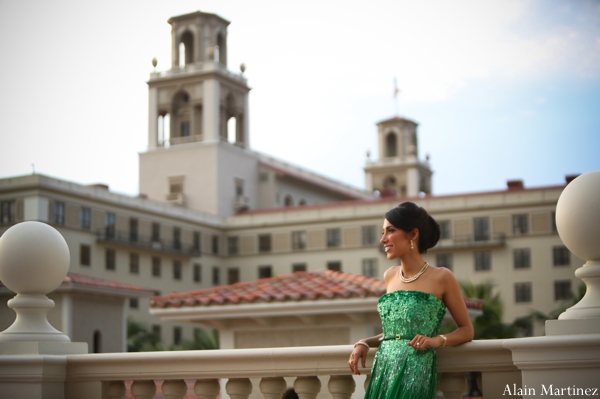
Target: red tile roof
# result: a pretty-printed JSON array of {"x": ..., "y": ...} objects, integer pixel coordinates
[
  {"x": 298, "y": 286},
  {"x": 75, "y": 279}
]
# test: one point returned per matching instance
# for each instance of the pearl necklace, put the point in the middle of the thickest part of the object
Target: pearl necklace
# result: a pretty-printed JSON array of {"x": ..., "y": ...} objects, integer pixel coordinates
[{"x": 416, "y": 276}]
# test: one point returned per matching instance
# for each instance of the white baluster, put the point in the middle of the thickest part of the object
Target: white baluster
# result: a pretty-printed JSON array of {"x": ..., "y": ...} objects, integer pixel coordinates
[
  {"x": 341, "y": 386},
  {"x": 367, "y": 381},
  {"x": 143, "y": 389},
  {"x": 453, "y": 385},
  {"x": 238, "y": 388},
  {"x": 116, "y": 390},
  {"x": 174, "y": 389},
  {"x": 307, "y": 387},
  {"x": 272, "y": 387},
  {"x": 207, "y": 389}
]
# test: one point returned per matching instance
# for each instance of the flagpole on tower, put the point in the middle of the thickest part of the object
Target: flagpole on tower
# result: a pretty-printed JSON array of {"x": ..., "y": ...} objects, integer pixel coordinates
[{"x": 396, "y": 101}]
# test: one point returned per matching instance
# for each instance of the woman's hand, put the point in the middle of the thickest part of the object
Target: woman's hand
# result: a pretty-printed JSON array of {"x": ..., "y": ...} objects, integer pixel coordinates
[
  {"x": 421, "y": 342},
  {"x": 358, "y": 355}
]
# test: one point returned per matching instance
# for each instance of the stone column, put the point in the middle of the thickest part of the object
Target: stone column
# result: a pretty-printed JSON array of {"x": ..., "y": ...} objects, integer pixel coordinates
[
  {"x": 32, "y": 352},
  {"x": 566, "y": 362}
]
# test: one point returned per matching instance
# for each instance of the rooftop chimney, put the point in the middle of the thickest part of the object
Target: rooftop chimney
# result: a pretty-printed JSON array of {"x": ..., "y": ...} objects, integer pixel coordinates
[{"x": 514, "y": 185}]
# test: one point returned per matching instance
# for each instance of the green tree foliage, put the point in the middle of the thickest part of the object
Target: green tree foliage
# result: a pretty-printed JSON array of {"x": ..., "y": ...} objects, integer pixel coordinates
[
  {"x": 489, "y": 325},
  {"x": 203, "y": 339},
  {"x": 140, "y": 339},
  {"x": 538, "y": 316}
]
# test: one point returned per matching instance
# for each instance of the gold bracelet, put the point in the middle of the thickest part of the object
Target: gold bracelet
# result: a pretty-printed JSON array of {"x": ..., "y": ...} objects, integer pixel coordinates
[{"x": 445, "y": 340}]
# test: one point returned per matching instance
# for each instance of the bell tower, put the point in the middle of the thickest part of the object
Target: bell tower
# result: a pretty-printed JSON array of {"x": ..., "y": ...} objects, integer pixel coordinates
[
  {"x": 398, "y": 172},
  {"x": 198, "y": 136}
]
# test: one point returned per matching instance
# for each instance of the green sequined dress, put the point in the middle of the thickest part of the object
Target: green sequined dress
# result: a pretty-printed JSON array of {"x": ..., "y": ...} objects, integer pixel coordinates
[{"x": 399, "y": 371}]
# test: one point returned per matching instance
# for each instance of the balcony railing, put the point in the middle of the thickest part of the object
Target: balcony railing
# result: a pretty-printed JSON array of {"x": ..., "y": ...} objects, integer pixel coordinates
[
  {"x": 147, "y": 243},
  {"x": 471, "y": 242},
  {"x": 313, "y": 372}
]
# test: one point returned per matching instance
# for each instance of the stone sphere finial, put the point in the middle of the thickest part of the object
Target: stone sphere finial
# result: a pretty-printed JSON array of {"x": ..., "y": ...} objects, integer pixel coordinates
[
  {"x": 154, "y": 62},
  {"x": 578, "y": 216},
  {"x": 34, "y": 258},
  {"x": 243, "y": 67}
]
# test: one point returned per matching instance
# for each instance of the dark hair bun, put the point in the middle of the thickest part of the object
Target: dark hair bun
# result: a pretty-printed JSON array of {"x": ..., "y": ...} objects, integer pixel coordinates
[{"x": 409, "y": 216}]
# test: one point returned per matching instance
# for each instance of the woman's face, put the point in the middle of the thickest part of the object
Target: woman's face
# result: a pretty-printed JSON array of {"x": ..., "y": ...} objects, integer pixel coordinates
[{"x": 395, "y": 241}]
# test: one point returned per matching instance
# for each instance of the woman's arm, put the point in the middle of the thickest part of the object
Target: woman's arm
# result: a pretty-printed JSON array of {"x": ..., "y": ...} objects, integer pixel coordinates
[
  {"x": 455, "y": 303},
  {"x": 359, "y": 354}
]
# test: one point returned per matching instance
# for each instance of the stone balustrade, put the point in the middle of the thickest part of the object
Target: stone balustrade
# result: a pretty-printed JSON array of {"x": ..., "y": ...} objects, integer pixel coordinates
[
  {"x": 39, "y": 362},
  {"x": 313, "y": 372}
]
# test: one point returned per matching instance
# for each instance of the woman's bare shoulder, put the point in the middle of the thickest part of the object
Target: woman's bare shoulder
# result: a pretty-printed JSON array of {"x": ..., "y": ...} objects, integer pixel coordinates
[{"x": 389, "y": 273}]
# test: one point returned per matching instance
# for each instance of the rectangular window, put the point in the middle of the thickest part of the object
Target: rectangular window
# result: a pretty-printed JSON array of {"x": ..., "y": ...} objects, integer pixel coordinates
[
  {"x": 176, "y": 238},
  {"x": 216, "y": 275},
  {"x": 177, "y": 335},
  {"x": 562, "y": 290},
  {"x": 134, "y": 303},
  {"x": 197, "y": 273},
  {"x": 7, "y": 212},
  {"x": 298, "y": 240},
  {"x": 156, "y": 266},
  {"x": 109, "y": 225},
  {"x": 233, "y": 245},
  {"x": 481, "y": 229},
  {"x": 369, "y": 235},
  {"x": 134, "y": 263},
  {"x": 110, "y": 260},
  {"x": 522, "y": 292},
  {"x": 215, "y": 245},
  {"x": 561, "y": 256},
  {"x": 483, "y": 260},
  {"x": 233, "y": 275},
  {"x": 445, "y": 231},
  {"x": 369, "y": 267},
  {"x": 176, "y": 269},
  {"x": 156, "y": 330},
  {"x": 196, "y": 244},
  {"x": 133, "y": 229},
  {"x": 185, "y": 128},
  {"x": 520, "y": 224},
  {"x": 522, "y": 258},
  {"x": 334, "y": 265},
  {"x": 58, "y": 213},
  {"x": 265, "y": 272},
  {"x": 155, "y": 232},
  {"x": 84, "y": 255},
  {"x": 85, "y": 218},
  {"x": 298, "y": 267},
  {"x": 553, "y": 222},
  {"x": 333, "y": 238},
  {"x": 444, "y": 260},
  {"x": 264, "y": 242}
]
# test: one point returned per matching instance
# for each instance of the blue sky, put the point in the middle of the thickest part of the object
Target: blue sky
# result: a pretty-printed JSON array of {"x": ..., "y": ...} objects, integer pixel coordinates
[{"x": 501, "y": 89}]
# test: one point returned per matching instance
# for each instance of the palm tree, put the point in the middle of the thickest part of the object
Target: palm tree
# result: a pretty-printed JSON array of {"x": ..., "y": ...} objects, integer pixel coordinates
[
  {"x": 203, "y": 339},
  {"x": 140, "y": 339},
  {"x": 489, "y": 325}
]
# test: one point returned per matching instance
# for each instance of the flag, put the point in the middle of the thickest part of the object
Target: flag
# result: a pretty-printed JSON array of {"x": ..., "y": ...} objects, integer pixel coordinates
[{"x": 396, "y": 89}]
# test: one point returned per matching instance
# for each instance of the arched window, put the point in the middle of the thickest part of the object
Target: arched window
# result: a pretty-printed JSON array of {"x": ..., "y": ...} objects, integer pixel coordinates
[
  {"x": 389, "y": 182},
  {"x": 289, "y": 201},
  {"x": 302, "y": 202},
  {"x": 391, "y": 144},
  {"x": 222, "y": 55},
  {"x": 164, "y": 128},
  {"x": 182, "y": 115},
  {"x": 97, "y": 342},
  {"x": 186, "y": 49}
]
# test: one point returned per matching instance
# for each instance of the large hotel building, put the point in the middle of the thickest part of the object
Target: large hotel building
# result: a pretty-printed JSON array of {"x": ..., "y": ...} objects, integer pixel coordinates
[{"x": 213, "y": 212}]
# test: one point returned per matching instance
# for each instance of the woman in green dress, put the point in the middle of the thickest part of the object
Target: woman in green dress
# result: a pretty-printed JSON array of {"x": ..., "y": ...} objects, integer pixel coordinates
[{"x": 411, "y": 311}]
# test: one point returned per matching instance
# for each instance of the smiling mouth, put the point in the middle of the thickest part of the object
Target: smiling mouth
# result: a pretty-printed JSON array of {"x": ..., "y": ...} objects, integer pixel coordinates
[{"x": 387, "y": 248}]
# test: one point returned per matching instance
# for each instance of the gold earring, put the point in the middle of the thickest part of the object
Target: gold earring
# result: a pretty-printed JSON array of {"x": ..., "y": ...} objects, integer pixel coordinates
[{"x": 411, "y": 245}]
